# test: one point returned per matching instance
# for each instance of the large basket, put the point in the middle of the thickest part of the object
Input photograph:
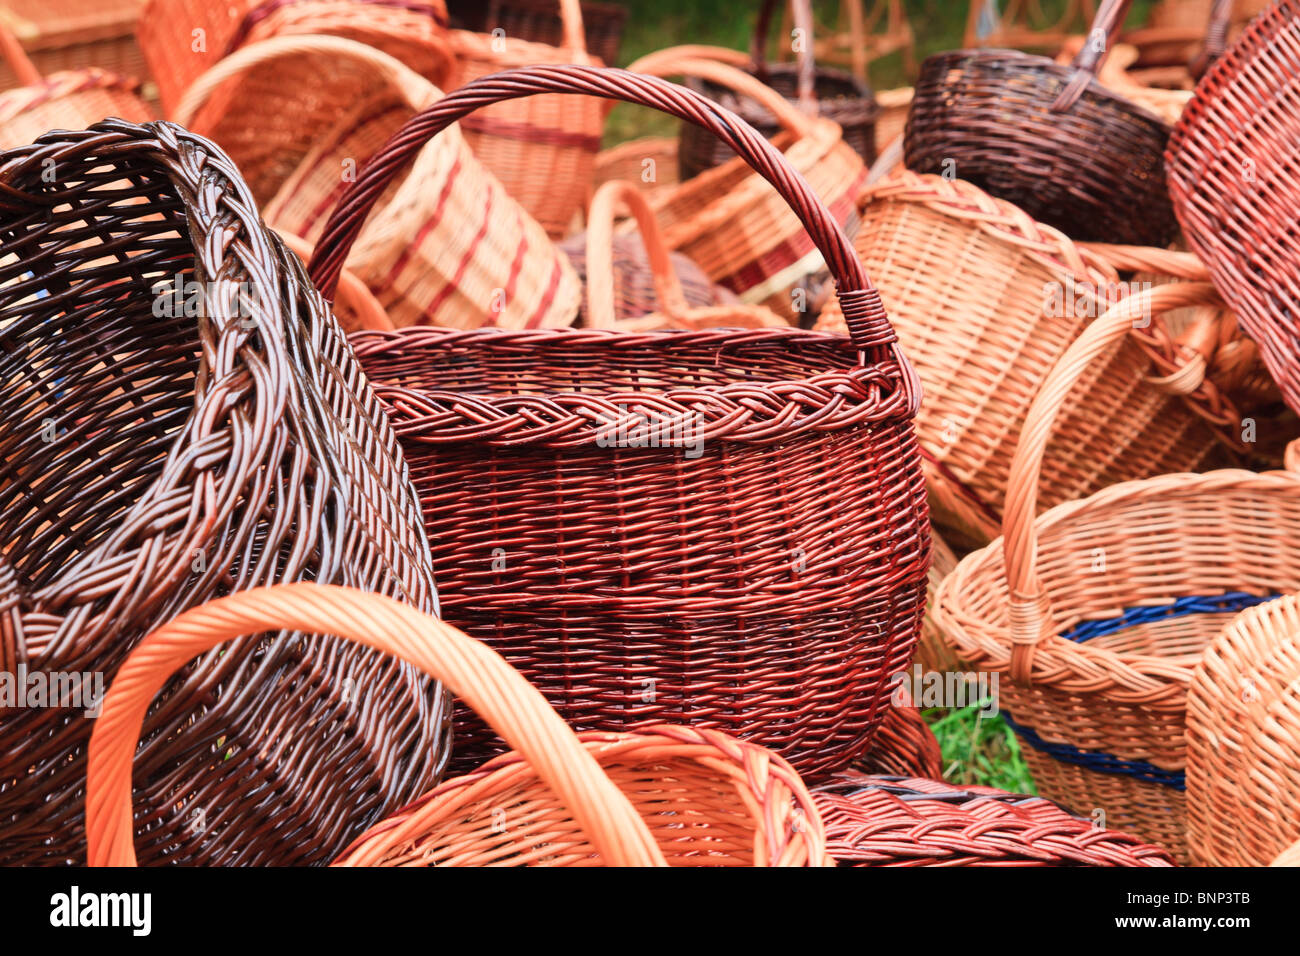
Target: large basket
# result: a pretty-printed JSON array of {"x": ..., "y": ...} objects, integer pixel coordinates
[
  {"x": 832, "y": 94},
  {"x": 1026, "y": 129},
  {"x": 985, "y": 300},
  {"x": 447, "y": 245},
  {"x": 65, "y": 35},
  {"x": 1098, "y": 610},
  {"x": 725, "y": 528},
  {"x": 542, "y": 21},
  {"x": 744, "y": 236},
  {"x": 1231, "y": 173},
  {"x": 152, "y": 458},
  {"x": 182, "y": 39},
  {"x": 900, "y": 821},
  {"x": 72, "y": 99},
  {"x": 542, "y": 148},
  {"x": 613, "y": 799},
  {"x": 1243, "y": 740}
]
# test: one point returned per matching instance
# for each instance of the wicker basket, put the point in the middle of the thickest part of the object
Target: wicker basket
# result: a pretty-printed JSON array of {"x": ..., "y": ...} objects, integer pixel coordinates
[
  {"x": 832, "y": 94},
  {"x": 635, "y": 284},
  {"x": 617, "y": 799},
  {"x": 934, "y": 653},
  {"x": 1232, "y": 179},
  {"x": 1243, "y": 730},
  {"x": 355, "y": 306},
  {"x": 1190, "y": 34},
  {"x": 904, "y": 744},
  {"x": 892, "y": 120},
  {"x": 1023, "y": 24},
  {"x": 1025, "y": 129},
  {"x": 542, "y": 21},
  {"x": 628, "y": 571},
  {"x": 902, "y": 821},
  {"x": 1289, "y": 856},
  {"x": 542, "y": 148},
  {"x": 182, "y": 39},
  {"x": 69, "y": 100},
  {"x": 1099, "y": 609},
  {"x": 1114, "y": 74},
  {"x": 730, "y": 223},
  {"x": 66, "y": 35},
  {"x": 256, "y": 454},
  {"x": 447, "y": 247},
  {"x": 985, "y": 299},
  {"x": 650, "y": 162}
]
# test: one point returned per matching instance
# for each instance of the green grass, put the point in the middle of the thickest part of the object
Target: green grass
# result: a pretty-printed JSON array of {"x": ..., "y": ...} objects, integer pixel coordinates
[{"x": 979, "y": 750}]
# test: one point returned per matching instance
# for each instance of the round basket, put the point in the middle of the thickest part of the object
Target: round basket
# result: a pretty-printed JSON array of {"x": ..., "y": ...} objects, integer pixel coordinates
[
  {"x": 1232, "y": 179},
  {"x": 636, "y": 520},
  {"x": 985, "y": 299},
  {"x": 1027, "y": 130},
  {"x": 1243, "y": 740},
  {"x": 905, "y": 821},
  {"x": 542, "y": 21},
  {"x": 612, "y": 799},
  {"x": 447, "y": 246},
  {"x": 1099, "y": 610},
  {"x": 149, "y": 301},
  {"x": 832, "y": 94},
  {"x": 182, "y": 39}
]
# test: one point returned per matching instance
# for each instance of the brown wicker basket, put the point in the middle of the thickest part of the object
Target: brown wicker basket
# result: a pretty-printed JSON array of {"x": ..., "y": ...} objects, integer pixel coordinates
[
  {"x": 604, "y": 799},
  {"x": 902, "y": 821},
  {"x": 1243, "y": 740},
  {"x": 146, "y": 299},
  {"x": 985, "y": 299},
  {"x": 541, "y": 21},
  {"x": 832, "y": 94},
  {"x": 182, "y": 39},
  {"x": 765, "y": 582},
  {"x": 66, "y": 35},
  {"x": 1026, "y": 129},
  {"x": 447, "y": 247},
  {"x": 1232, "y": 177},
  {"x": 1099, "y": 610}
]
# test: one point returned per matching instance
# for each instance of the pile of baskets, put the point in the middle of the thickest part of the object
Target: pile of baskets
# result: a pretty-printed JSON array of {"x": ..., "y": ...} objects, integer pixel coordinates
[{"x": 398, "y": 477}]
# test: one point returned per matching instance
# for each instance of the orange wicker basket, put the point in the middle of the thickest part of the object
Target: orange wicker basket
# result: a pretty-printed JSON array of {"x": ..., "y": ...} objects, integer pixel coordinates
[
  {"x": 182, "y": 39},
  {"x": 1243, "y": 740},
  {"x": 1099, "y": 609},
  {"x": 904, "y": 744},
  {"x": 447, "y": 245},
  {"x": 668, "y": 794},
  {"x": 542, "y": 148},
  {"x": 62, "y": 35}
]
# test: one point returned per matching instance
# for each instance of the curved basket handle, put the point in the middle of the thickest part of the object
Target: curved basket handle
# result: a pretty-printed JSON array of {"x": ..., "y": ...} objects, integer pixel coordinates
[
  {"x": 1030, "y": 612},
  {"x": 1096, "y": 48},
  {"x": 418, "y": 91},
  {"x": 807, "y": 67},
  {"x": 1168, "y": 262},
  {"x": 600, "y": 254},
  {"x": 575, "y": 32},
  {"x": 353, "y": 294},
  {"x": 471, "y": 670},
  {"x": 12, "y": 50},
  {"x": 864, "y": 314},
  {"x": 1216, "y": 37}
]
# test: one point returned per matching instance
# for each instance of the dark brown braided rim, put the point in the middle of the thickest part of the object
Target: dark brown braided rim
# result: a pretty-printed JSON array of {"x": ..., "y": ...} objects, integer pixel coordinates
[
  {"x": 160, "y": 450},
  {"x": 1046, "y": 137}
]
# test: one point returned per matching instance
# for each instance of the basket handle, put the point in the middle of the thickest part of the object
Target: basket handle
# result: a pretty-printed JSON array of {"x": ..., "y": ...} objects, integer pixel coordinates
[
  {"x": 1089, "y": 60},
  {"x": 1030, "y": 611},
  {"x": 806, "y": 66},
  {"x": 864, "y": 314},
  {"x": 355, "y": 294},
  {"x": 470, "y": 669},
  {"x": 600, "y": 254},
  {"x": 24, "y": 70},
  {"x": 1216, "y": 37}
]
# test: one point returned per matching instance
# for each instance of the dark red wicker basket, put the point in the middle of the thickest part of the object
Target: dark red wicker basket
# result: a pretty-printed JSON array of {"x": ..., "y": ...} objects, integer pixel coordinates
[
  {"x": 1047, "y": 137},
  {"x": 725, "y": 528},
  {"x": 182, "y": 418},
  {"x": 904, "y": 744},
  {"x": 539, "y": 21},
  {"x": 1236, "y": 188},
  {"x": 834, "y": 94},
  {"x": 902, "y": 821}
]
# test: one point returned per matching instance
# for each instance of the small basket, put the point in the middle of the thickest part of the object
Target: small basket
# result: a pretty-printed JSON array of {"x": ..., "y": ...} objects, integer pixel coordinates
[
  {"x": 612, "y": 799},
  {"x": 66, "y": 35},
  {"x": 542, "y": 21},
  {"x": 1098, "y": 611},
  {"x": 1049, "y": 138},
  {"x": 182, "y": 39},
  {"x": 903, "y": 821},
  {"x": 730, "y": 223},
  {"x": 447, "y": 246},
  {"x": 1243, "y": 740},
  {"x": 631, "y": 573},
  {"x": 542, "y": 148},
  {"x": 635, "y": 284},
  {"x": 985, "y": 299},
  {"x": 1232, "y": 179},
  {"x": 152, "y": 458},
  {"x": 831, "y": 94}
]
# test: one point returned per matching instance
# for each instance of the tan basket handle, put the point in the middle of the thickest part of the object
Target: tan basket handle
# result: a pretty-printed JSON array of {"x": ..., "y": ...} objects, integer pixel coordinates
[
  {"x": 471, "y": 670},
  {"x": 600, "y": 254},
  {"x": 575, "y": 32},
  {"x": 353, "y": 294},
  {"x": 418, "y": 91},
  {"x": 12, "y": 50},
  {"x": 1030, "y": 610}
]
